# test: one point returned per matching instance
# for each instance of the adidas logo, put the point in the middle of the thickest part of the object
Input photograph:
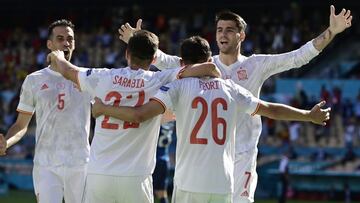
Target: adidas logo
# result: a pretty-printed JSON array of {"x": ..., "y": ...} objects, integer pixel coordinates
[
  {"x": 44, "y": 86},
  {"x": 245, "y": 194}
]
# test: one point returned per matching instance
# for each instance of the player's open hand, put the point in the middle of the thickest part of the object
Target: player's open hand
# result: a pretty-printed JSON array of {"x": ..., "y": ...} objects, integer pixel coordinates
[
  {"x": 56, "y": 54},
  {"x": 97, "y": 107},
  {"x": 318, "y": 115},
  {"x": 2, "y": 145},
  {"x": 126, "y": 31},
  {"x": 340, "y": 22}
]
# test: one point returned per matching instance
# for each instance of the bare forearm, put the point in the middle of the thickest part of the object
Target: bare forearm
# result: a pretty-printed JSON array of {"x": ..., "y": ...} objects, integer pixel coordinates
[
  {"x": 68, "y": 70},
  {"x": 122, "y": 113},
  {"x": 323, "y": 39},
  {"x": 134, "y": 114},
  {"x": 14, "y": 134},
  {"x": 285, "y": 112}
]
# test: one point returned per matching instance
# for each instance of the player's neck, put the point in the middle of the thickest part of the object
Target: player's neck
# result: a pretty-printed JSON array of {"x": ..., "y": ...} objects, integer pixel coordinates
[
  {"x": 229, "y": 59},
  {"x": 137, "y": 67}
]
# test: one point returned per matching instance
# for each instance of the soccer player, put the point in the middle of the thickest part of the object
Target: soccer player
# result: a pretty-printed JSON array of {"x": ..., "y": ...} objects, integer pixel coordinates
[
  {"x": 207, "y": 112},
  {"x": 62, "y": 125},
  {"x": 250, "y": 73},
  {"x": 122, "y": 156}
]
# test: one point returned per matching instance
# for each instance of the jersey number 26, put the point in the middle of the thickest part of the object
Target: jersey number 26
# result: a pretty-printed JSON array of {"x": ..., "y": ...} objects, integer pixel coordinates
[{"x": 215, "y": 121}]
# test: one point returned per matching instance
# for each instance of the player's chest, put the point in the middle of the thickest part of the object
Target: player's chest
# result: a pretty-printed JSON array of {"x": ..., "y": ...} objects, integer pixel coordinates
[
  {"x": 50, "y": 91},
  {"x": 241, "y": 74}
]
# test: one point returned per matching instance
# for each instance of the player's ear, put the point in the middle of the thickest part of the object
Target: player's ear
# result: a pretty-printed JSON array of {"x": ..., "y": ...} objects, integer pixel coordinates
[
  {"x": 154, "y": 59},
  {"x": 127, "y": 56},
  {"x": 242, "y": 36},
  {"x": 49, "y": 44},
  {"x": 182, "y": 63}
]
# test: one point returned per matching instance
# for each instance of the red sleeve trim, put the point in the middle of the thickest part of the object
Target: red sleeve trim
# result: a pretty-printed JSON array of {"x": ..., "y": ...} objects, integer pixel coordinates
[
  {"x": 24, "y": 112},
  {"x": 256, "y": 110}
]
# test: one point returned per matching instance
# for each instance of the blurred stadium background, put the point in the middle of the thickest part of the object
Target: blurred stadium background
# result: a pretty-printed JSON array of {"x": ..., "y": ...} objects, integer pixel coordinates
[{"x": 324, "y": 162}]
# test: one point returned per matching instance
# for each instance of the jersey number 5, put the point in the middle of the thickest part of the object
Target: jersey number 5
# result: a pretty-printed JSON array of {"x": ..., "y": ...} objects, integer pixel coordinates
[
  {"x": 215, "y": 121},
  {"x": 61, "y": 101},
  {"x": 105, "y": 123}
]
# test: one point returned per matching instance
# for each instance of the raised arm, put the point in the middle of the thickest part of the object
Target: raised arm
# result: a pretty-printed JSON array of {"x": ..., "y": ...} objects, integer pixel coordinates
[
  {"x": 126, "y": 31},
  {"x": 131, "y": 114},
  {"x": 162, "y": 61},
  {"x": 338, "y": 23},
  {"x": 15, "y": 132},
  {"x": 278, "y": 111},
  {"x": 61, "y": 65},
  {"x": 201, "y": 70}
]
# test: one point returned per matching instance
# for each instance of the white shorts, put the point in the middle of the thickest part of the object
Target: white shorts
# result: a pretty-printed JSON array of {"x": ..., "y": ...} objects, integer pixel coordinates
[
  {"x": 124, "y": 189},
  {"x": 53, "y": 184},
  {"x": 181, "y": 196},
  {"x": 245, "y": 176}
]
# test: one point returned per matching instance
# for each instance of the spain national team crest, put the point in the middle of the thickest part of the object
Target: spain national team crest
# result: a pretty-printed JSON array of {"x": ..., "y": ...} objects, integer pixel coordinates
[
  {"x": 60, "y": 86},
  {"x": 242, "y": 74}
]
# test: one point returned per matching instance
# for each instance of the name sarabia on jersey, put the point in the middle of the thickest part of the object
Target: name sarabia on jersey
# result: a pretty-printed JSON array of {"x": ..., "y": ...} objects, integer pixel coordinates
[{"x": 128, "y": 82}]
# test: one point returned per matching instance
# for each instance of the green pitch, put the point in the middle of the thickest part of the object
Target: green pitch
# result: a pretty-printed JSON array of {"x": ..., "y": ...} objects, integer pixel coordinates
[{"x": 17, "y": 196}]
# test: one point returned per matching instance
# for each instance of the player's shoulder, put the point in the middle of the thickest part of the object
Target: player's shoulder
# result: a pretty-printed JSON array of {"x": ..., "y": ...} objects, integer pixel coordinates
[
  {"x": 256, "y": 57},
  {"x": 37, "y": 75}
]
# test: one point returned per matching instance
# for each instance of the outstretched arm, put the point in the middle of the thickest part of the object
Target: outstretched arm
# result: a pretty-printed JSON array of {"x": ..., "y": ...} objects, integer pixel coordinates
[
  {"x": 338, "y": 23},
  {"x": 64, "y": 67},
  {"x": 162, "y": 61},
  {"x": 278, "y": 111},
  {"x": 131, "y": 114},
  {"x": 15, "y": 132}
]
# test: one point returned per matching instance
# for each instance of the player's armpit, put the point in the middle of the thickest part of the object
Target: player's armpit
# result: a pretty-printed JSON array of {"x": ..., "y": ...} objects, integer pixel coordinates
[{"x": 168, "y": 116}]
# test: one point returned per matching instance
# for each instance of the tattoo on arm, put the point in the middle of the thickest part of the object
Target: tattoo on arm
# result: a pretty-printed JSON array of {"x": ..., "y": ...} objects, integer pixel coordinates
[{"x": 323, "y": 40}]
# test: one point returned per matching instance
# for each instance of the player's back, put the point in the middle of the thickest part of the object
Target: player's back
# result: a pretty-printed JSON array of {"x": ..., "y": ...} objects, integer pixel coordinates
[
  {"x": 206, "y": 113},
  {"x": 123, "y": 148}
]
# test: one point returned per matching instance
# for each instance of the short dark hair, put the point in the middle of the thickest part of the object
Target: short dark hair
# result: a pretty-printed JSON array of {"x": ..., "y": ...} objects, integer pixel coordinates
[
  {"x": 228, "y": 15},
  {"x": 142, "y": 47},
  {"x": 62, "y": 22},
  {"x": 195, "y": 49}
]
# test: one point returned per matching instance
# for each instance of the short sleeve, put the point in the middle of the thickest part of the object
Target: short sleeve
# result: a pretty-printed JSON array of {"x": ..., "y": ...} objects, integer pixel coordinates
[
  {"x": 246, "y": 101},
  {"x": 167, "y": 95},
  {"x": 27, "y": 102},
  {"x": 89, "y": 79}
]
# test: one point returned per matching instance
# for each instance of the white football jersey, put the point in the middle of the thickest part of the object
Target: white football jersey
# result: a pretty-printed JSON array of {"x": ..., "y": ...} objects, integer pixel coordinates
[
  {"x": 121, "y": 148},
  {"x": 250, "y": 73},
  {"x": 62, "y": 118},
  {"x": 207, "y": 112}
]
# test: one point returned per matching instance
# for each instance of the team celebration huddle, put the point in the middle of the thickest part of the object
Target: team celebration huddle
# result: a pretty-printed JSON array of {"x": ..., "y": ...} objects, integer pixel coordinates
[{"x": 215, "y": 100}]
